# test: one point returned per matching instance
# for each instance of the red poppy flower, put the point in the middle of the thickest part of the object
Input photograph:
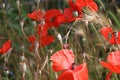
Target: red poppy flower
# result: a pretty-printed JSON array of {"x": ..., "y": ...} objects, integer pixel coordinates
[
  {"x": 112, "y": 37},
  {"x": 79, "y": 73},
  {"x": 92, "y": 5},
  {"x": 59, "y": 19},
  {"x": 71, "y": 14},
  {"x": 115, "y": 38},
  {"x": 63, "y": 60},
  {"x": 51, "y": 15},
  {"x": 36, "y": 15},
  {"x": 105, "y": 31},
  {"x": 5, "y": 47},
  {"x": 32, "y": 39},
  {"x": 75, "y": 5},
  {"x": 113, "y": 63},
  {"x": 46, "y": 40},
  {"x": 42, "y": 29},
  {"x": 84, "y": 3}
]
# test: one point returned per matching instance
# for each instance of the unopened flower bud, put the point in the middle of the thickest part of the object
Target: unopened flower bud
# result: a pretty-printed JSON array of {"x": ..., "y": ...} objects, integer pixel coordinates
[
  {"x": 22, "y": 58},
  {"x": 59, "y": 38},
  {"x": 34, "y": 23},
  {"x": 84, "y": 39},
  {"x": 36, "y": 44},
  {"x": 7, "y": 72},
  {"x": 18, "y": 3},
  {"x": 3, "y": 5},
  {"x": 86, "y": 22},
  {"x": 21, "y": 23},
  {"x": 84, "y": 55}
]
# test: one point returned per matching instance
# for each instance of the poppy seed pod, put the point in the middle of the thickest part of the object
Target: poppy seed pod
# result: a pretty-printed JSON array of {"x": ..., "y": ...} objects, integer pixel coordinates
[{"x": 75, "y": 14}]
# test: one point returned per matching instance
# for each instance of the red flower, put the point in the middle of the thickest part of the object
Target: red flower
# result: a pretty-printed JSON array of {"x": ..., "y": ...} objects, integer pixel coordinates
[
  {"x": 71, "y": 14},
  {"x": 75, "y": 5},
  {"x": 105, "y": 31},
  {"x": 63, "y": 60},
  {"x": 59, "y": 20},
  {"x": 84, "y": 3},
  {"x": 42, "y": 29},
  {"x": 36, "y": 15},
  {"x": 54, "y": 17},
  {"x": 112, "y": 37},
  {"x": 46, "y": 40},
  {"x": 79, "y": 73},
  {"x": 113, "y": 63},
  {"x": 5, "y": 47},
  {"x": 32, "y": 39}
]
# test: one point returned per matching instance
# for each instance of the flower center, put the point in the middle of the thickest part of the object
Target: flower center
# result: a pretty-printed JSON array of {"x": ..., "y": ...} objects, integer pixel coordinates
[{"x": 73, "y": 66}]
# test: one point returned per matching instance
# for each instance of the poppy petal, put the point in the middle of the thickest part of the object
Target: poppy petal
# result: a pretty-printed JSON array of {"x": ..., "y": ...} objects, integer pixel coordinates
[
  {"x": 59, "y": 20},
  {"x": 66, "y": 75},
  {"x": 108, "y": 76},
  {"x": 36, "y": 15},
  {"x": 43, "y": 29},
  {"x": 93, "y": 6},
  {"x": 50, "y": 14},
  {"x": 114, "y": 58},
  {"x": 68, "y": 14},
  {"x": 113, "y": 68},
  {"x": 115, "y": 38},
  {"x": 46, "y": 40},
  {"x": 31, "y": 39},
  {"x": 105, "y": 31},
  {"x": 112, "y": 39},
  {"x": 62, "y": 60},
  {"x": 81, "y": 70},
  {"x": 79, "y": 73},
  {"x": 5, "y": 47}
]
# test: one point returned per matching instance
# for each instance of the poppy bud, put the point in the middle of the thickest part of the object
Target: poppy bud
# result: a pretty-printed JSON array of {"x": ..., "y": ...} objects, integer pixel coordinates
[
  {"x": 21, "y": 23},
  {"x": 18, "y": 3},
  {"x": 6, "y": 71},
  {"x": 22, "y": 58},
  {"x": 3, "y": 5},
  {"x": 34, "y": 23},
  {"x": 59, "y": 38}
]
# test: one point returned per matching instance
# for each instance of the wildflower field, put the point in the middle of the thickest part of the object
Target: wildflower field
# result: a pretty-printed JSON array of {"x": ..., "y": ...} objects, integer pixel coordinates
[{"x": 59, "y": 40}]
